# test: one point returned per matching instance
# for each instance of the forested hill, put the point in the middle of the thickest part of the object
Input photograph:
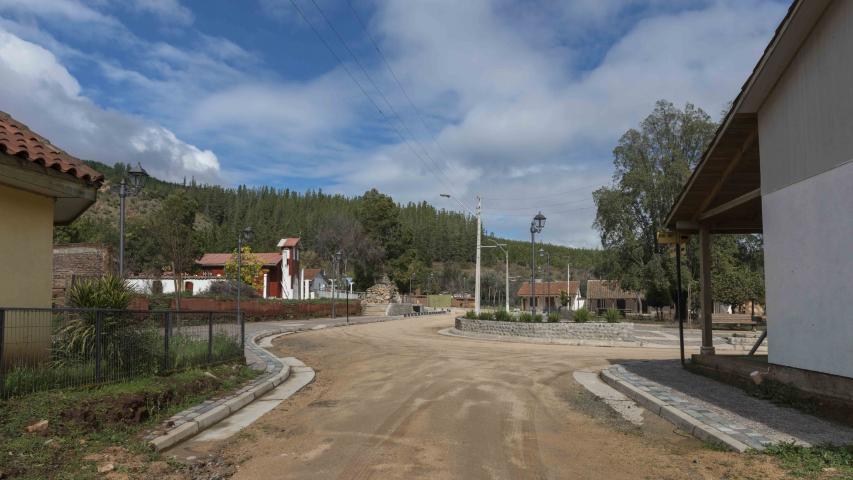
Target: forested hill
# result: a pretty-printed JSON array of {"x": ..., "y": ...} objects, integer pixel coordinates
[{"x": 377, "y": 234}]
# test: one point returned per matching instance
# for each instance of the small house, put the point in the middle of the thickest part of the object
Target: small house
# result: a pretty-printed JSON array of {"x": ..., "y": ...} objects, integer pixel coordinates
[{"x": 602, "y": 295}]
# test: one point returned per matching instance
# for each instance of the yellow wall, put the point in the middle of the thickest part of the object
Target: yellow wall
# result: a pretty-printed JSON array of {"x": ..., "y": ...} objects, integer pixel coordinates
[
  {"x": 26, "y": 248},
  {"x": 26, "y": 271}
]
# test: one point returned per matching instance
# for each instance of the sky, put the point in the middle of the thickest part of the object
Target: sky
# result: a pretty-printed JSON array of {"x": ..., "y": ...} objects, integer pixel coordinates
[{"x": 520, "y": 102}]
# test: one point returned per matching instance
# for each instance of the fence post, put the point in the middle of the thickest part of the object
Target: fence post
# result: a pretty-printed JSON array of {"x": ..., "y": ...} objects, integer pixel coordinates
[
  {"x": 99, "y": 316},
  {"x": 167, "y": 331},
  {"x": 210, "y": 337},
  {"x": 242, "y": 331},
  {"x": 2, "y": 344}
]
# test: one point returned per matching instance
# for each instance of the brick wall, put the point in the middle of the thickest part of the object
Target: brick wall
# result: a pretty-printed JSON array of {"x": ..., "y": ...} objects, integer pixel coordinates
[{"x": 78, "y": 260}]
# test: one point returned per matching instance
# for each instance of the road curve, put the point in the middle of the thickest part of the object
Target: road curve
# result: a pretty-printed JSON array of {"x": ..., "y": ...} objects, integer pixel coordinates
[{"x": 397, "y": 400}]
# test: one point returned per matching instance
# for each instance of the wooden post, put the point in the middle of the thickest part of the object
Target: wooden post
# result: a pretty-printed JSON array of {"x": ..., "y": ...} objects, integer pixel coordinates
[{"x": 705, "y": 282}]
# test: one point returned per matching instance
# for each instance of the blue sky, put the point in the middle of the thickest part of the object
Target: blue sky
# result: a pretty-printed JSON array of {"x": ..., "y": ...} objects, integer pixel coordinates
[{"x": 521, "y": 102}]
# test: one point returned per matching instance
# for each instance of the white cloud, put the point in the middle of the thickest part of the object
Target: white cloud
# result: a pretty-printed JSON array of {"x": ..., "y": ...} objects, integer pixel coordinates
[
  {"x": 170, "y": 11},
  {"x": 40, "y": 92}
]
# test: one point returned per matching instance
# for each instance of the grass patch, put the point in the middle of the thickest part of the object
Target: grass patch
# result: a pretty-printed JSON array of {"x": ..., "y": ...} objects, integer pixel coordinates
[
  {"x": 89, "y": 421},
  {"x": 823, "y": 461}
]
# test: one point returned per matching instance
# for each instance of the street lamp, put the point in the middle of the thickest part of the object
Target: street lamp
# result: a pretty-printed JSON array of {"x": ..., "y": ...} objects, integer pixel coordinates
[
  {"x": 130, "y": 185},
  {"x": 547, "y": 256},
  {"x": 536, "y": 226},
  {"x": 479, "y": 245},
  {"x": 336, "y": 265},
  {"x": 506, "y": 253},
  {"x": 244, "y": 236}
]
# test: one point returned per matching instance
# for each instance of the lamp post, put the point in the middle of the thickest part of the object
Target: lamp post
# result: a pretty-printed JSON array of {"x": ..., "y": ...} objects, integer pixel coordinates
[
  {"x": 137, "y": 176},
  {"x": 336, "y": 264},
  {"x": 244, "y": 236},
  {"x": 506, "y": 254},
  {"x": 547, "y": 256},
  {"x": 536, "y": 226},
  {"x": 479, "y": 245}
]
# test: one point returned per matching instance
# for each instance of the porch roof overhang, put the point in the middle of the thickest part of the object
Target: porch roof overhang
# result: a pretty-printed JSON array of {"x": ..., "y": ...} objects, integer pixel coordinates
[{"x": 724, "y": 191}]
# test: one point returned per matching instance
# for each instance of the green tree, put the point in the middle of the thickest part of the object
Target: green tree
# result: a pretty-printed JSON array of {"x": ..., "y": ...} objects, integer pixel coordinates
[
  {"x": 173, "y": 226},
  {"x": 250, "y": 267},
  {"x": 652, "y": 163}
]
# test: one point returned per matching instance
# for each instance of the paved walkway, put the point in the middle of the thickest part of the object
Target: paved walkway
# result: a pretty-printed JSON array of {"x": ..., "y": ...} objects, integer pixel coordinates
[{"x": 753, "y": 421}]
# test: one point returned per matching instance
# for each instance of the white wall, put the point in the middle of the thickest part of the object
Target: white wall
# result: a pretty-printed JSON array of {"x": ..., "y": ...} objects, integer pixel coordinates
[
  {"x": 808, "y": 261},
  {"x": 145, "y": 285}
]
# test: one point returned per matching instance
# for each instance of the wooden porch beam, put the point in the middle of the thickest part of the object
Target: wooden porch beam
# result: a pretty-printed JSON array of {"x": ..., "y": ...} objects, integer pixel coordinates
[
  {"x": 728, "y": 171},
  {"x": 707, "y": 299},
  {"x": 735, "y": 202}
]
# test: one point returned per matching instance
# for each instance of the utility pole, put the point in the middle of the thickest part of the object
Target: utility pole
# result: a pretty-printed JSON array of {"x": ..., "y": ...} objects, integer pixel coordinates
[{"x": 479, "y": 248}]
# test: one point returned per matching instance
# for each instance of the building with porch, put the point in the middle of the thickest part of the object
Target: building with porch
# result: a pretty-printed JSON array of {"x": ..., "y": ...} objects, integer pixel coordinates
[
  {"x": 780, "y": 164},
  {"x": 213, "y": 265},
  {"x": 548, "y": 295},
  {"x": 602, "y": 295}
]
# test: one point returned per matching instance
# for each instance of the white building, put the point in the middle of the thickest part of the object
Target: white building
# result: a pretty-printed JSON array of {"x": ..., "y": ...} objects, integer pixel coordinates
[{"x": 780, "y": 165}]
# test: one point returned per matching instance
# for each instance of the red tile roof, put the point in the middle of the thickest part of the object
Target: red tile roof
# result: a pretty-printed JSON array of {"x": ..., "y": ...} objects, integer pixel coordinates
[
  {"x": 288, "y": 242},
  {"x": 220, "y": 259},
  {"x": 18, "y": 140},
  {"x": 544, "y": 288},
  {"x": 310, "y": 273},
  {"x": 608, "y": 289}
]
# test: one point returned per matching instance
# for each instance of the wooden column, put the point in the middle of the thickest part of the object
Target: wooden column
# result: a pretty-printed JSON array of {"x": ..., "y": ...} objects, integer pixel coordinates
[{"x": 707, "y": 299}]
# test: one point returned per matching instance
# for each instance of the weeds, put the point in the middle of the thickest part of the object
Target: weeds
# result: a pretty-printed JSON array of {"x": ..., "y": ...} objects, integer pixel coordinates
[{"x": 814, "y": 462}]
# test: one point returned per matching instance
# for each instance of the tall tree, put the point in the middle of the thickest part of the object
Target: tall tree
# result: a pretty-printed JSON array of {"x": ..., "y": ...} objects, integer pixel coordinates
[
  {"x": 174, "y": 228},
  {"x": 652, "y": 163}
]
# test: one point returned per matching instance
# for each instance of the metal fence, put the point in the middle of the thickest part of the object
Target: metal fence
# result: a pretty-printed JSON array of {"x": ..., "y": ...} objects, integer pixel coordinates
[{"x": 43, "y": 349}]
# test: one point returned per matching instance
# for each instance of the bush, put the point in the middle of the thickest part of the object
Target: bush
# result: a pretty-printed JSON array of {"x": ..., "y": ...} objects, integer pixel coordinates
[
  {"x": 108, "y": 292},
  {"x": 503, "y": 316},
  {"x": 525, "y": 317},
  {"x": 228, "y": 289},
  {"x": 613, "y": 315},
  {"x": 553, "y": 317},
  {"x": 486, "y": 316},
  {"x": 581, "y": 315},
  {"x": 471, "y": 314},
  {"x": 537, "y": 318}
]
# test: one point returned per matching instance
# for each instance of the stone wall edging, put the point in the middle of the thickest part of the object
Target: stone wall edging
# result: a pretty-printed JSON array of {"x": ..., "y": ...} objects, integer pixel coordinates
[{"x": 598, "y": 331}]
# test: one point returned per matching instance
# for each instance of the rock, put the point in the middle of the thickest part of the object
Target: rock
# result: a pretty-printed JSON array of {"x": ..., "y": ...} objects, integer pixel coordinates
[
  {"x": 106, "y": 467},
  {"x": 39, "y": 426},
  {"x": 382, "y": 293}
]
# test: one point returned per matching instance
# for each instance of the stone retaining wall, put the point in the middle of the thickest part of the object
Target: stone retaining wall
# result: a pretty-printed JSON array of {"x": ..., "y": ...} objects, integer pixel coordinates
[{"x": 619, "y": 332}]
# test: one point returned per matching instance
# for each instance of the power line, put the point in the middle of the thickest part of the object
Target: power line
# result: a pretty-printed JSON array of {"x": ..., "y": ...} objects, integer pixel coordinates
[
  {"x": 550, "y": 205},
  {"x": 437, "y": 172},
  {"x": 530, "y": 215},
  {"x": 364, "y": 91},
  {"x": 394, "y": 76}
]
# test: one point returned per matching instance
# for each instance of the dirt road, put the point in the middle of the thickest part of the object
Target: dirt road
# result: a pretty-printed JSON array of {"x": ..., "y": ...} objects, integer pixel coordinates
[{"x": 397, "y": 400}]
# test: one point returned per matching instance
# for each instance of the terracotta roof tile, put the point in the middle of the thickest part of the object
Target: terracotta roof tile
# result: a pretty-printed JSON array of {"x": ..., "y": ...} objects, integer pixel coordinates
[
  {"x": 607, "y": 289},
  {"x": 220, "y": 259},
  {"x": 543, "y": 288},
  {"x": 18, "y": 140},
  {"x": 310, "y": 273},
  {"x": 288, "y": 242}
]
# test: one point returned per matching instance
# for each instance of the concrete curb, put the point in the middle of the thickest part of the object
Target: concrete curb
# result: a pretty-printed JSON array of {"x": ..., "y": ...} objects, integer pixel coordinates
[
  {"x": 673, "y": 415},
  {"x": 215, "y": 415}
]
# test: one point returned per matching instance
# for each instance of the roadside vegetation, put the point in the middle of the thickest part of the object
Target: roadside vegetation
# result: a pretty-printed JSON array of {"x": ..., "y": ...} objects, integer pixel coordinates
[
  {"x": 75, "y": 433},
  {"x": 814, "y": 462}
]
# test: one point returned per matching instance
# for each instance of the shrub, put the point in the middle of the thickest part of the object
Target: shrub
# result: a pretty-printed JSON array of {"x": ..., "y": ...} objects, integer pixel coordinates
[
  {"x": 471, "y": 314},
  {"x": 525, "y": 317},
  {"x": 486, "y": 316},
  {"x": 503, "y": 316},
  {"x": 109, "y": 292},
  {"x": 228, "y": 289},
  {"x": 581, "y": 315},
  {"x": 613, "y": 315},
  {"x": 537, "y": 318},
  {"x": 553, "y": 317}
]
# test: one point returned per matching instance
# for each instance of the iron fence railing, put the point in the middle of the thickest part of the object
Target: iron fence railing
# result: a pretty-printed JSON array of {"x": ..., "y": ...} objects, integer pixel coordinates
[{"x": 43, "y": 349}]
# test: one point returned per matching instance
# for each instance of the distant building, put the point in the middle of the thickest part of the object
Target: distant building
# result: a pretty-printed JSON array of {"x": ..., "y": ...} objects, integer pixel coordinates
[
  {"x": 213, "y": 265},
  {"x": 314, "y": 282},
  {"x": 602, "y": 295},
  {"x": 548, "y": 295}
]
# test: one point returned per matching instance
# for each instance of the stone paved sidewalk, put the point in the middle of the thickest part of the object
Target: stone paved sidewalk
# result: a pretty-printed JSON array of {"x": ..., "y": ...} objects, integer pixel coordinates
[{"x": 755, "y": 422}]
